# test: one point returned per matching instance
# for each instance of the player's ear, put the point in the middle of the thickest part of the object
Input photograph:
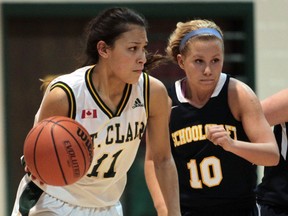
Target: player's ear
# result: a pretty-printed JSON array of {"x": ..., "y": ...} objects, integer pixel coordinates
[
  {"x": 180, "y": 61},
  {"x": 102, "y": 48}
]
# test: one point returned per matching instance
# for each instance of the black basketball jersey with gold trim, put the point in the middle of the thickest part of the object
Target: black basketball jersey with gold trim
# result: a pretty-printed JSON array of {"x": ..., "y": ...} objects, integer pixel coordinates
[
  {"x": 210, "y": 178},
  {"x": 273, "y": 189}
]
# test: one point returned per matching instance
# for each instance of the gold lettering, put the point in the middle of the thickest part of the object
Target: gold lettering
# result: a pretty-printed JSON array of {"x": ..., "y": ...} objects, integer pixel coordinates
[
  {"x": 232, "y": 131},
  {"x": 196, "y": 133},
  {"x": 188, "y": 134}
]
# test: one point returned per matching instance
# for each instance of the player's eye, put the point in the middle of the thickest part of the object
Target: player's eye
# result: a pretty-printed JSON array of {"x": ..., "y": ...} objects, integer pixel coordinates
[
  {"x": 132, "y": 48},
  {"x": 215, "y": 60},
  {"x": 199, "y": 61}
]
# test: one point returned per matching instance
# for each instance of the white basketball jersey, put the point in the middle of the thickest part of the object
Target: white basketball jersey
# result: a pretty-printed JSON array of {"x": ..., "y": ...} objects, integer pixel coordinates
[{"x": 116, "y": 137}]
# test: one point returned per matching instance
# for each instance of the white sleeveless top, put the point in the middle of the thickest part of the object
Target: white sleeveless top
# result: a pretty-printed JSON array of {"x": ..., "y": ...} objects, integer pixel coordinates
[{"x": 116, "y": 137}]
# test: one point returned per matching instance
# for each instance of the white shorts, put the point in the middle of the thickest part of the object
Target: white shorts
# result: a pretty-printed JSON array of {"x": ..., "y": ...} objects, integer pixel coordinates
[{"x": 46, "y": 205}]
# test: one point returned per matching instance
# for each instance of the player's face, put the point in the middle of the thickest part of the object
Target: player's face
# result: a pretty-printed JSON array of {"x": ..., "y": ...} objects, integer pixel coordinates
[
  {"x": 128, "y": 54},
  {"x": 203, "y": 63}
]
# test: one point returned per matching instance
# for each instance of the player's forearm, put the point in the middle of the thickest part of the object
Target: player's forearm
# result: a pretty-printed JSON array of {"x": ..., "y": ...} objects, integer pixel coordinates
[
  {"x": 154, "y": 188},
  {"x": 264, "y": 154},
  {"x": 168, "y": 180}
]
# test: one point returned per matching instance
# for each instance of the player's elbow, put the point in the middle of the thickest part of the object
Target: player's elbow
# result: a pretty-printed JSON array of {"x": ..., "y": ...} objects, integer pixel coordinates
[
  {"x": 275, "y": 159},
  {"x": 163, "y": 162}
]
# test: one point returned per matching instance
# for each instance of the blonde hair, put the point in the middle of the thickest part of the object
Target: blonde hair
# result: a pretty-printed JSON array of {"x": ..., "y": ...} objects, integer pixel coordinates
[
  {"x": 46, "y": 81},
  {"x": 182, "y": 29}
]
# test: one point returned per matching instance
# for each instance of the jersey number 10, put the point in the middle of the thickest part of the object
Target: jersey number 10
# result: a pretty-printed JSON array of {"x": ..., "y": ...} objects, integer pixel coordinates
[{"x": 209, "y": 172}]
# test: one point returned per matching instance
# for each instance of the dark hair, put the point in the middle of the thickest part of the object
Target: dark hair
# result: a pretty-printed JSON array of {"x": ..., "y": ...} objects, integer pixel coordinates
[{"x": 108, "y": 25}]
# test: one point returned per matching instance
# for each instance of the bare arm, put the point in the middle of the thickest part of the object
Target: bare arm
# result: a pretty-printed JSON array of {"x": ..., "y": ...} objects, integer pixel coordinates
[
  {"x": 55, "y": 103},
  {"x": 153, "y": 185},
  {"x": 262, "y": 148},
  {"x": 275, "y": 107},
  {"x": 159, "y": 152}
]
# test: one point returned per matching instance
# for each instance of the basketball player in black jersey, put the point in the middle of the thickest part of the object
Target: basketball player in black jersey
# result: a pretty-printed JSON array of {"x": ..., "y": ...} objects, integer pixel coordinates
[
  {"x": 218, "y": 130},
  {"x": 272, "y": 193}
]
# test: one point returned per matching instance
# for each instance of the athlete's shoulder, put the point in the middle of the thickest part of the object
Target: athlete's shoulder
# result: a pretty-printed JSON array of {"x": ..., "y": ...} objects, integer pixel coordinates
[
  {"x": 175, "y": 92},
  {"x": 156, "y": 82},
  {"x": 157, "y": 86},
  {"x": 74, "y": 78}
]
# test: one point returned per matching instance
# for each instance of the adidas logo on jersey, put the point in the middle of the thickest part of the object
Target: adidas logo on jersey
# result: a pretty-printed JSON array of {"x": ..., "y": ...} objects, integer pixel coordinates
[{"x": 137, "y": 103}]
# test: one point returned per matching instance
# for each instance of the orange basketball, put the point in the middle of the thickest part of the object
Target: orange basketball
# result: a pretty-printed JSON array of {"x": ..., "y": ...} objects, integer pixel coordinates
[{"x": 58, "y": 151}]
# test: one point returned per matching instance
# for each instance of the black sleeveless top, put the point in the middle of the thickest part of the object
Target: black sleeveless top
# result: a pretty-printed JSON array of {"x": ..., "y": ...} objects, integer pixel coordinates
[
  {"x": 210, "y": 178},
  {"x": 273, "y": 189}
]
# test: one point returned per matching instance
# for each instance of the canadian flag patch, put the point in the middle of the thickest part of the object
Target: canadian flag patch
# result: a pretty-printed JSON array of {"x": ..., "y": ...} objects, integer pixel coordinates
[{"x": 89, "y": 113}]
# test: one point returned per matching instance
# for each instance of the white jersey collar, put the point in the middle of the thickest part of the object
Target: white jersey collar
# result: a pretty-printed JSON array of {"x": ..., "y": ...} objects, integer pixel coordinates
[{"x": 216, "y": 92}]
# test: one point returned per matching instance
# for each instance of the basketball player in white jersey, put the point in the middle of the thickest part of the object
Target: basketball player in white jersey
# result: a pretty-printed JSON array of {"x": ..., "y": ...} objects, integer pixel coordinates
[{"x": 116, "y": 101}]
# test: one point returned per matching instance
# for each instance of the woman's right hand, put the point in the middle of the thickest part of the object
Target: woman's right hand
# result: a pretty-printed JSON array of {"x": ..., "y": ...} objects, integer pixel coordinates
[{"x": 32, "y": 176}]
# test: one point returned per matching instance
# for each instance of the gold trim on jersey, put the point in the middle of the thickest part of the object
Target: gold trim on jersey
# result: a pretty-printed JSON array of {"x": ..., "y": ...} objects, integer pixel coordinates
[
  {"x": 146, "y": 93},
  {"x": 98, "y": 100},
  {"x": 70, "y": 96},
  {"x": 124, "y": 99}
]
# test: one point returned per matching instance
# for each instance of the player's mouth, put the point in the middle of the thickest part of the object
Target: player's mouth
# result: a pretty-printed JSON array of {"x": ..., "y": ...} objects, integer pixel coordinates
[
  {"x": 138, "y": 71},
  {"x": 207, "y": 81}
]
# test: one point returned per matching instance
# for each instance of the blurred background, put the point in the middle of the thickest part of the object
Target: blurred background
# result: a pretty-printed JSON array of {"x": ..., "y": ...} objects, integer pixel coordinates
[{"x": 45, "y": 37}]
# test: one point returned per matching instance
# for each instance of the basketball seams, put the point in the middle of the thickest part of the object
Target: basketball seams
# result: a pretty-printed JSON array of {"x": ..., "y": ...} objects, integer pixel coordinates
[
  {"x": 56, "y": 152},
  {"x": 35, "y": 147},
  {"x": 75, "y": 139},
  {"x": 34, "y": 154}
]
